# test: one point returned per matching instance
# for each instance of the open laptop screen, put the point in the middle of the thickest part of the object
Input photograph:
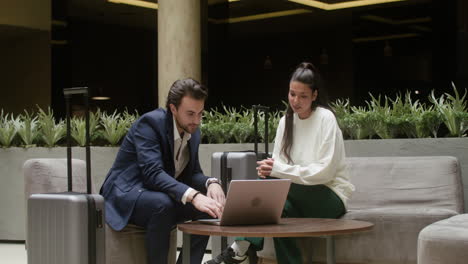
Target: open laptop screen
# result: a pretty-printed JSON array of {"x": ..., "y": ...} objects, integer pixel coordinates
[{"x": 253, "y": 202}]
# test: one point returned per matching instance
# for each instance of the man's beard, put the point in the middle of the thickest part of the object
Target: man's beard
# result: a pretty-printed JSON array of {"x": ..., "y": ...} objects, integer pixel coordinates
[{"x": 186, "y": 128}]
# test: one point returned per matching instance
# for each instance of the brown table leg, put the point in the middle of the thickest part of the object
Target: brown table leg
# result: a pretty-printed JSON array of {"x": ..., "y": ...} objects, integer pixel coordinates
[{"x": 186, "y": 248}]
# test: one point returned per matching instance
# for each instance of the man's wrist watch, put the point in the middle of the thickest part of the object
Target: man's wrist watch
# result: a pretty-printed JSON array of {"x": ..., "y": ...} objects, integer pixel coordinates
[{"x": 213, "y": 180}]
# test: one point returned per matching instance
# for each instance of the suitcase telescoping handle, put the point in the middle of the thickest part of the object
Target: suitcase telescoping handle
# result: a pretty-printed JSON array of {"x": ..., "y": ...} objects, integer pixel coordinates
[
  {"x": 265, "y": 110},
  {"x": 68, "y": 93}
]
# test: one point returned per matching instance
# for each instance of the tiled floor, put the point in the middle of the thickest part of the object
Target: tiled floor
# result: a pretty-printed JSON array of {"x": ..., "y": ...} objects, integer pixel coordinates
[{"x": 14, "y": 253}]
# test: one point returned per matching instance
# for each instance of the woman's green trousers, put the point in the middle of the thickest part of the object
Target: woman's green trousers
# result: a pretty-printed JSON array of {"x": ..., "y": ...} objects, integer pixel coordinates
[{"x": 304, "y": 201}]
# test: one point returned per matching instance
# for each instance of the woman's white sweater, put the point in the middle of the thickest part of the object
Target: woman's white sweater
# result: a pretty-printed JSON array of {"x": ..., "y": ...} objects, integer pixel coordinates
[{"x": 317, "y": 153}]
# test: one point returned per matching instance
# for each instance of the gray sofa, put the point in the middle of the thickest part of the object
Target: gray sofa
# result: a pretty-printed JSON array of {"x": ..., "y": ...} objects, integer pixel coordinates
[{"x": 401, "y": 196}]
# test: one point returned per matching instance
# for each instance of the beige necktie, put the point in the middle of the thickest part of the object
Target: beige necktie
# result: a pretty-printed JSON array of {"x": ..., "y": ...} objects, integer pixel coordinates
[{"x": 180, "y": 146}]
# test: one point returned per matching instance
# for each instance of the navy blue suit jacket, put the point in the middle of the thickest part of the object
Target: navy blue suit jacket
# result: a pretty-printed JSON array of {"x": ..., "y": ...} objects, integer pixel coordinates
[{"x": 145, "y": 162}]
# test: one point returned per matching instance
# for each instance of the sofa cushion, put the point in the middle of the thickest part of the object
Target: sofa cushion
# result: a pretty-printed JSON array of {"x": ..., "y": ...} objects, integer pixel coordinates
[
  {"x": 407, "y": 182},
  {"x": 50, "y": 175},
  {"x": 128, "y": 246},
  {"x": 445, "y": 241}
]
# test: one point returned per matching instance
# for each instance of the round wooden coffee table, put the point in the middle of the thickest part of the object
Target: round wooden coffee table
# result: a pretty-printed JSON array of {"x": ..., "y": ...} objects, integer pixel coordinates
[{"x": 288, "y": 227}]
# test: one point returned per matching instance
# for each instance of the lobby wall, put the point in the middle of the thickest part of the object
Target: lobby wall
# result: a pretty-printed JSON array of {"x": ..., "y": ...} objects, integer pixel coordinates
[
  {"x": 33, "y": 14},
  {"x": 24, "y": 54},
  {"x": 25, "y": 72}
]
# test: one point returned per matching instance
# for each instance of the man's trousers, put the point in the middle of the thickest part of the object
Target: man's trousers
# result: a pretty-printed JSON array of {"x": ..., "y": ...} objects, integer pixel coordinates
[{"x": 159, "y": 214}]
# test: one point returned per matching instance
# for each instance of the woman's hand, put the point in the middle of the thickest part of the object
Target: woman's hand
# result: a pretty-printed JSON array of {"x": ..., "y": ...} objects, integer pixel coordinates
[{"x": 264, "y": 167}]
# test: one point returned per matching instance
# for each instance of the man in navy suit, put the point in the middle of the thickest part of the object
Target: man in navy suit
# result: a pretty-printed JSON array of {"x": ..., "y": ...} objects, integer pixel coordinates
[{"x": 156, "y": 180}]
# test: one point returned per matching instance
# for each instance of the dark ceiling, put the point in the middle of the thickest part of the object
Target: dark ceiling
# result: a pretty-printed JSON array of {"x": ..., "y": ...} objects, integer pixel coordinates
[
  {"x": 411, "y": 16},
  {"x": 104, "y": 12},
  {"x": 419, "y": 24}
]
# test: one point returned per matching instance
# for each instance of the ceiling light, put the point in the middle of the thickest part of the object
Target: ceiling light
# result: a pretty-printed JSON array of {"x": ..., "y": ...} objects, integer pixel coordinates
[
  {"x": 100, "y": 98},
  {"x": 260, "y": 16},
  {"x": 397, "y": 22},
  {"x": 135, "y": 3},
  {"x": 215, "y": 2},
  {"x": 147, "y": 4},
  {"x": 99, "y": 95},
  {"x": 387, "y": 37},
  {"x": 349, "y": 4}
]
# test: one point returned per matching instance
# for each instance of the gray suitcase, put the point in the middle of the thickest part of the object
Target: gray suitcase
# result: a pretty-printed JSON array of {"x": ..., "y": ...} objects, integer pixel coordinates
[
  {"x": 67, "y": 227},
  {"x": 228, "y": 166}
]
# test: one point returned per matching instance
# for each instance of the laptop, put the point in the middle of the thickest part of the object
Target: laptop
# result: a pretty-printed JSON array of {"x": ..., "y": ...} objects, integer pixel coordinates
[{"x": 253, "y": 202}]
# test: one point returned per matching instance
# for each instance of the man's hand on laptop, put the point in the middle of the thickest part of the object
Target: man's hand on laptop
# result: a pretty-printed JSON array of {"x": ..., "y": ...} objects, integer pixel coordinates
[
  {"x": 215, "y": 191},
  {"x": 207, "y": 205}
]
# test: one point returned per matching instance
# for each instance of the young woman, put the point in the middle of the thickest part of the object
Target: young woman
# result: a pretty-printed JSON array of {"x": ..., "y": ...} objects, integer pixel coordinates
[{"x": 309, "y": 150}]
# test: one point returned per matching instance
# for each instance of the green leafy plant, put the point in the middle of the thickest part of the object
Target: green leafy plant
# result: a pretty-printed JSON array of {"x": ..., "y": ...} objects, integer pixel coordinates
[
  {"x": 205, "y": 126},
  {"x": 453, "y": 110},
  {"x": 28, "y": 128},
  {"x": 382, "y": 116},
  {"x": 233, "y": 125},
  {"x": 425, "y": 120},
  {"x": 273, "y": 120},
  {"x": 359, "y": 123},
  {"x": 243, "y": 128},
  {"x": 7, "y": 128},
  {"x": 78, "y": 128},
  {"x": 116, "y": 126},
  {"x": 208, "y": 121},
  {"x": 218, "y": 127},
  {"x": 207, "y": 132},
  {"x": 222, "y": 132},
  {"x": 377, "y": 116},
  {"x": 401, "y": 112},
  {"x": 50, "y": 131},
  {"x": 130, "y": 118},
  {"x": 389, "y": 118},
  {"x": 342, "y": 110}
]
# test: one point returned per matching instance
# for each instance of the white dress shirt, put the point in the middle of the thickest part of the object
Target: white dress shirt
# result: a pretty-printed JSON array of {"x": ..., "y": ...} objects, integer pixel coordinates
[{"x": 181, "y": 155}]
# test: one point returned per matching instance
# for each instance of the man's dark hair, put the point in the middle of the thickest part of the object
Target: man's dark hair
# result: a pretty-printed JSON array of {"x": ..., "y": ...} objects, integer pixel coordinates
[{"x": 186, "y": 87}]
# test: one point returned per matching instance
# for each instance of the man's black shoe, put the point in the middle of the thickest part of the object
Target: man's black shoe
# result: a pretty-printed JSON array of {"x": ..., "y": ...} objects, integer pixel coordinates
[{"x": 228, "y": 256}]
